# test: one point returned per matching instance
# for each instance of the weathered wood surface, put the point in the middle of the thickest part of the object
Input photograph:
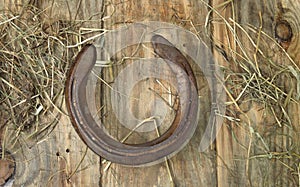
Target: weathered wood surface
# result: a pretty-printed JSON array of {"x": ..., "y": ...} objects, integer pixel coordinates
[
  {"x": 231, "y": 162},
  {"x": 256, "y": 152},
  {"x": 187, "y": 167},
  {"x": 57, "y": 159}
]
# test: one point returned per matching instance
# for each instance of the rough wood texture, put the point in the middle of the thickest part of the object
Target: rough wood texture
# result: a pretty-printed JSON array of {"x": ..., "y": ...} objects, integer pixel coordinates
[
  {"x": 243, "y": 160},
  {"x": 57, "y": 160},
  {"x": 188, "y": 166},
  {"x": 239, "y": 158}
]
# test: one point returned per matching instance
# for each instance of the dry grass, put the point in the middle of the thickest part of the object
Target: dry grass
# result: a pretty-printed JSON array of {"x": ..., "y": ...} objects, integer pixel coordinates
[
  {"x": 35, "y": 56},
  {"x": 34, "y": 61},
  {"x": 261, "y": 78},
  {"x": 36, "y": 52}
]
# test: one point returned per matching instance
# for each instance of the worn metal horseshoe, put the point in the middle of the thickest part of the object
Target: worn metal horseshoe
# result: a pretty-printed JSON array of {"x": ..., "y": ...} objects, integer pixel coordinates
[{"x": 93, "y": 133}]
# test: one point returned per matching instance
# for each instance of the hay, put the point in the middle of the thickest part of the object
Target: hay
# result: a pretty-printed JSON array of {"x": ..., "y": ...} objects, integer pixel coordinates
[
  {"x": 35, "y": 55},
  {"x": 255, "y": 74}
]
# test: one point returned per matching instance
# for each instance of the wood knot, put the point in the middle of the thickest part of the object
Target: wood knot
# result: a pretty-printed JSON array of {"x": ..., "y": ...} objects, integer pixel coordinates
[
  {"x": 283, "y": 33},
  {"x": 7, "y": 168}
]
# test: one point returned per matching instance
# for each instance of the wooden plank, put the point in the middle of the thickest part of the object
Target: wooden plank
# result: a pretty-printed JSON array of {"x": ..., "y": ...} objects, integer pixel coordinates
[
  {"x": 74, "y": 164},
  {"x": 254, "y": 152},
  {"x": 188, "y": 167},
  {"x": 60, "y": 158}
]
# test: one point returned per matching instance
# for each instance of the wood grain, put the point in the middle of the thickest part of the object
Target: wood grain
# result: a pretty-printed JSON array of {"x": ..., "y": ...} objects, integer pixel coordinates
[
  {"x": 61, "y": 158},
  {"x": 239, "y": 158},
  {"x": 188, "y": 166},
  {"x": 243, "y": 159}
]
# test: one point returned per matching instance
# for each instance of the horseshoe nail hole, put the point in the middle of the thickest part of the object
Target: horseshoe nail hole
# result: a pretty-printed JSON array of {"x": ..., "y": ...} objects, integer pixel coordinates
[
  {"x": 283, "y": 31},
  {"x": 7, "y": 168},
  {"x": 67, "y": 150},
  {"x": 57, "y": 153}
]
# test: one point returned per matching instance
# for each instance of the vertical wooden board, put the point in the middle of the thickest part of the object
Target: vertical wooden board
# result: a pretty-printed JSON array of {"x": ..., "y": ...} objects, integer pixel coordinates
[
  {"x": 74, "y": 163},
  {"x": 257, "y": 151},
  {"x": 228, "y": 173},
  {"x": 188, "y": 167},
  {"x": 60, "y": 158}
]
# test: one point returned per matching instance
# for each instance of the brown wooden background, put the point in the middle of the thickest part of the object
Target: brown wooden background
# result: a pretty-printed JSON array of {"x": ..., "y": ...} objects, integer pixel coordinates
[{"x": 53, "y": 160}]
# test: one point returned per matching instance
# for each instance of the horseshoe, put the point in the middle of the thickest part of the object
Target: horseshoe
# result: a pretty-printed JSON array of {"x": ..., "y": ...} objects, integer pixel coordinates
[{"x": 94, "y": 135}]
